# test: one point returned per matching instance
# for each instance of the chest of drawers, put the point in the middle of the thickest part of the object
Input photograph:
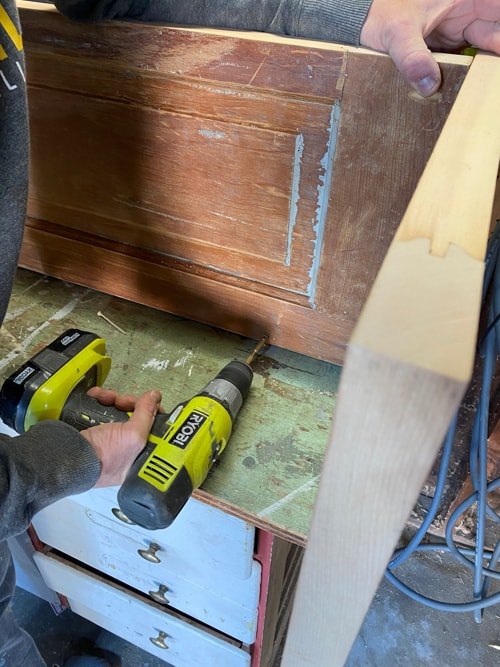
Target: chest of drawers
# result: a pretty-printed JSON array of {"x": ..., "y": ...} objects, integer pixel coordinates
[
  {"x": 203, "y": 565},
  {"x": 196, "y": 580},
  {"x": 223, "y": 562}
]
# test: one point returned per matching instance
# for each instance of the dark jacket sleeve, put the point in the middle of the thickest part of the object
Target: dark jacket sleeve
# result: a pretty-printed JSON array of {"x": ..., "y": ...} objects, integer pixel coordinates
[
  {"x": 13, "y": 150},
  {"x": 332, "y": 20},
  {"x": 50, "y": 461},
  {"x": 53, "y": 460}
]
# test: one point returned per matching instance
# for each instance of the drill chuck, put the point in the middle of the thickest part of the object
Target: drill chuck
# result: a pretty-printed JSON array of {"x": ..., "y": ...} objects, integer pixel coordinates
[{"x": 231, "y": 386}]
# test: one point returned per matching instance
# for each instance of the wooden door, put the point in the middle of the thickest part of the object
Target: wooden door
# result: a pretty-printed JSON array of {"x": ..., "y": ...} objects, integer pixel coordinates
[{"x": 249, "y": 183}]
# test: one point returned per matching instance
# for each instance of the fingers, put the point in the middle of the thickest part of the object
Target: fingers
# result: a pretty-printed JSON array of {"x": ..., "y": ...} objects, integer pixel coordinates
[
  {"x": 403, "y": 28},
  {"x": 145, "y": 411},
  {"x": 124, "y": 402},
  {"x": 401, "y": 35},
  {"x": 484, "y": 35},
  {"x": 406, "y": 46},
  {"x": 117, "y": 444},
  {"x": 104, "y": 396}
]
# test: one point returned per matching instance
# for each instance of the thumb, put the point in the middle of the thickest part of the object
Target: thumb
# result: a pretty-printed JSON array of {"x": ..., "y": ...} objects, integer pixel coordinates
[
  {"x": 144, "y": 413},
  {"x": 410, "y": 54}
]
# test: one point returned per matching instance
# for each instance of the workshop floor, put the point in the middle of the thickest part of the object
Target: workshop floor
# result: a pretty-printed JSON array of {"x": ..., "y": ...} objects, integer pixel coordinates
[{"x": 396, "y": 632}]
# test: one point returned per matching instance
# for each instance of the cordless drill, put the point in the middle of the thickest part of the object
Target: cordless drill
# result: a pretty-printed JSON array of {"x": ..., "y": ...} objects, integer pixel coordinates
[{"x": 182, "y": 446}]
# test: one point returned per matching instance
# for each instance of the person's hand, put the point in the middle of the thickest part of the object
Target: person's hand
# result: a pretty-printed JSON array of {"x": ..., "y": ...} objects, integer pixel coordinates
[
  {"x": 406, "y": 28},
  {"x": 118, "y": 444}
]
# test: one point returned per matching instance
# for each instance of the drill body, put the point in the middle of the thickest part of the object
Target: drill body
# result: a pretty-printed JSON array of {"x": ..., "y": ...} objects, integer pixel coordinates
[{"x": 182, "y": 445}]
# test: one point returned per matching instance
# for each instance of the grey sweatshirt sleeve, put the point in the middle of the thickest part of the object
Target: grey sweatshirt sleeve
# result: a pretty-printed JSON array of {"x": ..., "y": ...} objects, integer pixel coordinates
[
  {"x": 13, "y": 149},
  {"x": 331, "y": 20},
  {"x": 52, "y": 460}
]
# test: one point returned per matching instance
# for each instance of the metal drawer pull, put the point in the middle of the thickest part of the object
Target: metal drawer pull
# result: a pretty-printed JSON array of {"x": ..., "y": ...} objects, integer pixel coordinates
[
  {"x": 150, "y": 554},
  {"x": 159, "y": 641},
  {"x": 120, "y": 515},
  {"x": 159, "y": 595}
]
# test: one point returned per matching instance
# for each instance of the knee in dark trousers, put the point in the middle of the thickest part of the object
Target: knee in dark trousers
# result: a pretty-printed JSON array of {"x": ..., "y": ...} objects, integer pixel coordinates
[{"x": 16, "y": 646}]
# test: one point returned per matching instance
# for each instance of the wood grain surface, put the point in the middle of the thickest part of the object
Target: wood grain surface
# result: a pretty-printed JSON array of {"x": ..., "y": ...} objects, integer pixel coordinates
[{"x": 258, "y": 181}]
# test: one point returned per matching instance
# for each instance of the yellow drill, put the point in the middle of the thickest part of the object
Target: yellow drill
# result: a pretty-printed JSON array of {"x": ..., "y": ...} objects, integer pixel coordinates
[{"x": 182, "y": 445}]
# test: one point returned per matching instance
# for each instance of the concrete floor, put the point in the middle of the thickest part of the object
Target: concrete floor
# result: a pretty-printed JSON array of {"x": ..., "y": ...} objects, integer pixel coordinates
[{"x": 396, "y": 632}]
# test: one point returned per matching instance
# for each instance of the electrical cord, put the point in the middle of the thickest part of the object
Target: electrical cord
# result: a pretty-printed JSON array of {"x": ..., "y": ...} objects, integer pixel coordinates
[
  {"x": 473, "y": 559},
  {"x": 403, "y": 554},
  {"x": 452, "y": 521},
  {"x": 436, "y": 604}
]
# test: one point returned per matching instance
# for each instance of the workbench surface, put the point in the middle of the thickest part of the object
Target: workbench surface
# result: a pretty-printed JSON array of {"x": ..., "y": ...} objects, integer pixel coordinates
[{"x": 270, "y": 469}]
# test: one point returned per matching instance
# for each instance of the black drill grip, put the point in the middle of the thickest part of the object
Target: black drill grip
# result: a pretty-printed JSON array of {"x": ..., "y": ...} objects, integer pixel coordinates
[{"x": 81, "y": 411}]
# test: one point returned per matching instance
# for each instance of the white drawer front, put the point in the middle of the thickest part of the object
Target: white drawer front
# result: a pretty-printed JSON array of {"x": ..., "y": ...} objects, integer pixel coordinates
[
  {"x": 137, "y": 620},
  {"x": 226, "y": 541},
  {"x": 206, "y": 593}
]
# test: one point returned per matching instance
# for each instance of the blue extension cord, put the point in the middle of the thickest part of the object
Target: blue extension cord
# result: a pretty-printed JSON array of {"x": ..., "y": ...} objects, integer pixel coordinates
[{"x": 472, "y": 558}]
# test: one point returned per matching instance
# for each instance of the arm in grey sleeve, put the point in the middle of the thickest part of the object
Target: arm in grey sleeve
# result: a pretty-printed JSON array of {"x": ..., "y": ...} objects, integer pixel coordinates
[
  {"x": 332, "y": 20},
  {"x": 50, "y": 461},
  {"x": 13, "y": 154}
]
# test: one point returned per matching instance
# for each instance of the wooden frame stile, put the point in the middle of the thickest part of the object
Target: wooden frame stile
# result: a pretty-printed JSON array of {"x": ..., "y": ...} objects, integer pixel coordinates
[
  {"x": 266, "y": 624},
  {"x": 409, "y": 361}
]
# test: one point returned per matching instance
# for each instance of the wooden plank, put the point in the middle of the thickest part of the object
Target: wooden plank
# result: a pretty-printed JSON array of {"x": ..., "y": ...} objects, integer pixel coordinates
[
  {"x": 405, "y": 374},
  {"x": 165, "y": 284},
  {"x": 211, "y": 151},
  {"x": 226, "y": 166},
  {"x": 376, "y": 171}
]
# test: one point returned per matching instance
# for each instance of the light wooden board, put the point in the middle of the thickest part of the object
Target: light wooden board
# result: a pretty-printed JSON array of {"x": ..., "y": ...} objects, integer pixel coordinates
[{"x": 405, "y": 374}]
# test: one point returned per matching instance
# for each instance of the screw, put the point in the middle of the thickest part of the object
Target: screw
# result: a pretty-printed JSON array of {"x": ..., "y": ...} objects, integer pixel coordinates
[{"x": 101, "y": 314}]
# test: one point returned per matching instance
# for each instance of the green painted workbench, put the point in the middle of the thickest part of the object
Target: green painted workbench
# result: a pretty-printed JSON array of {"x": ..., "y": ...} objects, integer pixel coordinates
[{"x": 270, "y": 470}]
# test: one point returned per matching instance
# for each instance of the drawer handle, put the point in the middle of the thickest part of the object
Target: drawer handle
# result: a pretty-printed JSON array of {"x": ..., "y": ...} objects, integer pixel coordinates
[
  {"x": 120, "y": 515},
  {"x": 150, "y": 554},
  {"x": 159, "y": 595},
  {"x": 159, "y": 641}
]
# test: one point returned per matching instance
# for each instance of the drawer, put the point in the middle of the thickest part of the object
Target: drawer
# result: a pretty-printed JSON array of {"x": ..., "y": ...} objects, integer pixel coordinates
[
  {"x": 207, "y": 593},
  {"x": 138, "y": 620},
  {"x": 227, "y": 542}
]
